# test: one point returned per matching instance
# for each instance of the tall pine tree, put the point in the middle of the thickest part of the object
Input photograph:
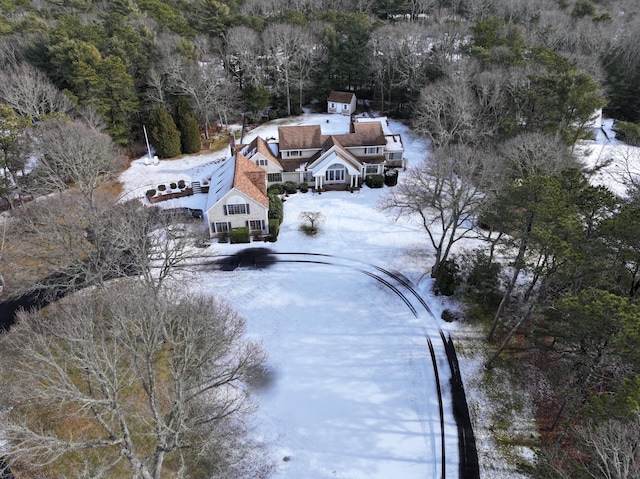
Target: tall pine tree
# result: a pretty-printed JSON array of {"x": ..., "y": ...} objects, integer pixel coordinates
[
  {"x": 164, "y": 134},
  {"x": 188, "y": 125}
]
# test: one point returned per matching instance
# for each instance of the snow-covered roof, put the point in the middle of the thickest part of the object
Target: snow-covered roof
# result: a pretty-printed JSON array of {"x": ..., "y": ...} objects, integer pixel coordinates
[
  {"x": 394, "y": 143},
  {"x": 221, "y": 181}
]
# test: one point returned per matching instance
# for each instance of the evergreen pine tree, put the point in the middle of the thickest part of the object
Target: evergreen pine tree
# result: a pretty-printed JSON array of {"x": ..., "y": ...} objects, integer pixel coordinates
[
  {"x": 164, "y": 135},
  {"x": 188, "y": 125}
]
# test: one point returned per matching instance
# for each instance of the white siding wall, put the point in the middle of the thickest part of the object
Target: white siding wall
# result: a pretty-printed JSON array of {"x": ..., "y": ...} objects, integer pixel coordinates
[
  {"x": 291, "y": 176},
  {"x": 256, "y": 212},
  {"x": 303, "y": 154}
]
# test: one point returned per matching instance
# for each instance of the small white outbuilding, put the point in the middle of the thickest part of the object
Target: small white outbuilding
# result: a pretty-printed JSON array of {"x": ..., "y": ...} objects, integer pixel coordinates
[{"x": 343, "y": 102}]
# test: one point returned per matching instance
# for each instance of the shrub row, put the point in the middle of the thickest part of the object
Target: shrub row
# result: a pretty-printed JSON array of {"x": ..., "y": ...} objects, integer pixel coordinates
[
  {"x": 181, "y": 185},
  {"x": 276, "y": 188},
  {"x": 390, "y": 178},
  {"x": 288, "y": 187}
]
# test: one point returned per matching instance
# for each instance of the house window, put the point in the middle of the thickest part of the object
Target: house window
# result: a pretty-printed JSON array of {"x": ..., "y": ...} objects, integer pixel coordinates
[
  {"x": 261, "y": 162},
  {"x": 222, "y": 227},
  {"x": 307, "y": 177},
  {"x": 371, "y": 169},
  {"x": 371, "y": 150},
  {"x": 333, "y": 105},
  {"x": 256, "y": 225},
  {"x": 293, "y": 153},
  {"x": 239, "y": 209},
  {"x": 335, "y": 174},
  {"x": 344, "y": 107},
  {"x": 274, "y": 177},
  {"x": 395, "y": 156}
]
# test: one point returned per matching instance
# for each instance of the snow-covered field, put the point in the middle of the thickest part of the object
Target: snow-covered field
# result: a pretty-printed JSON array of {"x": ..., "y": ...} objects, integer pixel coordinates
[{"x": 351, "y": 387}]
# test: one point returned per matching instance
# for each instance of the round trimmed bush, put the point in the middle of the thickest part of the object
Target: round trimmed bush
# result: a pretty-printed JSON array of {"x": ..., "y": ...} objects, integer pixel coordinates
[
  {"x": 374, "y": 181},
  {"x": 290, "y": 187},
  {"x": 391, "y": 177},
  {"x": 277, "y": 188}
]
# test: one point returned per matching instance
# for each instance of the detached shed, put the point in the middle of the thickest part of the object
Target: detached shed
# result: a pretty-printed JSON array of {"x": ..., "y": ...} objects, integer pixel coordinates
[{"x": 343, "y": 102}]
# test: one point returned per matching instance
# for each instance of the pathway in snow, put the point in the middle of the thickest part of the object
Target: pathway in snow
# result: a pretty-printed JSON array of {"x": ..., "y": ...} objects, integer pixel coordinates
[{"x": 353, "y": 391}]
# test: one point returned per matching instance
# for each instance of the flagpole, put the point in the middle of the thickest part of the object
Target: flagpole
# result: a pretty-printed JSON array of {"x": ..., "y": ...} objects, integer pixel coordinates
[{"x": 146, "y": 138}]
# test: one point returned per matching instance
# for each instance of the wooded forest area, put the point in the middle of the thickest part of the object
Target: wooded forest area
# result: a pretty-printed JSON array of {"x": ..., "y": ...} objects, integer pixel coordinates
[{"x": 504, "y": 89}]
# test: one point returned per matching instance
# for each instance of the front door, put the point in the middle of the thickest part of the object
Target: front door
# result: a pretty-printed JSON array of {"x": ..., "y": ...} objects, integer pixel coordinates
[{"x": 335, "y": 174}]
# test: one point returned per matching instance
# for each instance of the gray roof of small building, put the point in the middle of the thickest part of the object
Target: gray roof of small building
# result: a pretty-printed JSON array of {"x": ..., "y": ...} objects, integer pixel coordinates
[{"x": 341, "y": 96}]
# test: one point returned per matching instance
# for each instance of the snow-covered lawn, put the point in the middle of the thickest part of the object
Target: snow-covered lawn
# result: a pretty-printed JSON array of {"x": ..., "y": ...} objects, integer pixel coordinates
[
  {"x": 350, "y": 391},
  {"x": 613, "y": 160}
]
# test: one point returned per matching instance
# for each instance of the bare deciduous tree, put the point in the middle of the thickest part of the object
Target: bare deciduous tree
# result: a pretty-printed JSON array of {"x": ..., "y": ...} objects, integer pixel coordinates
[
  {"x": 28, "y": 91},
  {"x": 386, "y": 47},
  {"x": 448, "y": 112},
  {"x": 244, "y": 57},
  {"x": 626, "y": 172},
  {"x": 422, "y": 7},
  {"x": 535, "y": 153},
  {"x": 207, "y": 85},
  {"x": 14, "y": 153},
  {"x": 312, "y": 219},
  {"x": 72, "y": 153},
  {"x": 155, "y": 246},
  {"x": 445, "y": 191},
  {"x": 612, "y": 449},
  {"x": 66, "y": 243},
  {"x": 156, "y": 94},
  {"x": 119, "y": 382},
  {"x": 284, "y": 45}
]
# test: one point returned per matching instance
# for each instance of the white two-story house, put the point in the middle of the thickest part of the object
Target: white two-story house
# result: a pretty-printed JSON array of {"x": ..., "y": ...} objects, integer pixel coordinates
[
  {"x": 303, "y": 154},
  {"x": 237, "y": 198}
]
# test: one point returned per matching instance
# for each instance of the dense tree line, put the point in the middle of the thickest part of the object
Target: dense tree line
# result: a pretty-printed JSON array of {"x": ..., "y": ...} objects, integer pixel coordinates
[{"x": 508, "y": 61}]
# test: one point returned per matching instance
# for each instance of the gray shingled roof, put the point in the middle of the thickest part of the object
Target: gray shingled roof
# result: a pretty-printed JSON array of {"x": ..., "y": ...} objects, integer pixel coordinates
[
  {"x": 305, "y": 137},
  {"x": 365, "y": 134},
  {"x": 340, "y": 96}
]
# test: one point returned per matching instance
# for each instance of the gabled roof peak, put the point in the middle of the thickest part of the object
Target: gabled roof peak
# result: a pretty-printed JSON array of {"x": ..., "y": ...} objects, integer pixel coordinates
[
  {"x": 341, "y": 96},
  {"x": 250, "y": 179}
]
